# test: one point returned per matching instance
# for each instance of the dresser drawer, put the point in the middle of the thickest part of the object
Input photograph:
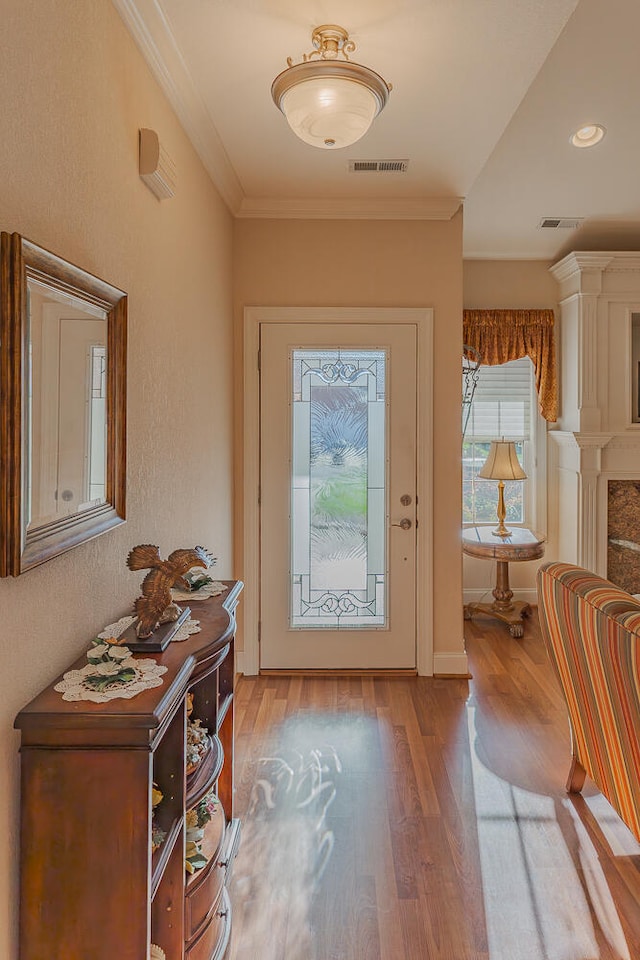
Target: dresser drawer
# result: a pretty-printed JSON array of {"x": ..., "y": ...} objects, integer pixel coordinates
[
  {"x": 201, "y": 898},
  {"x": 212, "y": 942},
  {"x": 203, "y": 887}
]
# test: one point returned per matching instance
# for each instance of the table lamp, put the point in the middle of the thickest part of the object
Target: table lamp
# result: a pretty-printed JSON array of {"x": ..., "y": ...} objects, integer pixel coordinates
[{"x": 502, "y": 464}]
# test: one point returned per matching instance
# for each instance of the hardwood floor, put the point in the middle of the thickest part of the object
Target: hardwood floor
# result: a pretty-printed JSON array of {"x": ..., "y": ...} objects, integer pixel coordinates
[{"x": 414, "y": 818}]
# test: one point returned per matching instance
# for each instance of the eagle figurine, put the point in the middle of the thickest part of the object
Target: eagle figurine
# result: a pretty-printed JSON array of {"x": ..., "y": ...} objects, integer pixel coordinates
[{"x": 155, "y": 606}]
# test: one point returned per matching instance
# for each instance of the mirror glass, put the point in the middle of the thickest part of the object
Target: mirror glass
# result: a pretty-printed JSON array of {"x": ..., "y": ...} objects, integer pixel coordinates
[
  {"x": 62, "y": 405},
  {"x": 65, "y": 458}
]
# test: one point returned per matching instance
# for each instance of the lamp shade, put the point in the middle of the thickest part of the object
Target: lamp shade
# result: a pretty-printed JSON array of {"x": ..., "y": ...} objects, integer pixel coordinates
[
  {"x": 329, "y": 104},
  {"x": 502, "y": 462}
]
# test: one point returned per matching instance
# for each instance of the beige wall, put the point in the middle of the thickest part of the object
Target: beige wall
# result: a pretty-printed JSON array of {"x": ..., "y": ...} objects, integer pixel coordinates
[
  {"x": 74, "y": 91},
  {"x": 501, "y": 284},
  {"x": 374, "y": 263},
  {"x": 504, "y": 284}
]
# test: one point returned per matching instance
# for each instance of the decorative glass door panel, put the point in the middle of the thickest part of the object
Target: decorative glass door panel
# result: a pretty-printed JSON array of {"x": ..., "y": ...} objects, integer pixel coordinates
[
  {"x": 337, "y": 512},
  {"x": 338, "y": 509}
]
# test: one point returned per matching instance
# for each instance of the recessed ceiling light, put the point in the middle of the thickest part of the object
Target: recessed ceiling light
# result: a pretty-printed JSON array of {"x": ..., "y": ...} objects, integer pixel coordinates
[{"x": 588, "y": 135}]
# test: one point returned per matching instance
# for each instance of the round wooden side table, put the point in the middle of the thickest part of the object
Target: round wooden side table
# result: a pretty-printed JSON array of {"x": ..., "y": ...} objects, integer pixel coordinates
[{"x": 521, "y": 544}]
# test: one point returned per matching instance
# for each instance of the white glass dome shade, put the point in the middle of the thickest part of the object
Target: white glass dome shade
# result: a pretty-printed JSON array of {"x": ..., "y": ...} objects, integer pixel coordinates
[{"x": 330, "y": 104}]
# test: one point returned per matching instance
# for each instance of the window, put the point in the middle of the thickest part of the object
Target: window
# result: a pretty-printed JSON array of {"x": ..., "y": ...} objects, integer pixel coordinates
[{"x": 503, "y": 406}]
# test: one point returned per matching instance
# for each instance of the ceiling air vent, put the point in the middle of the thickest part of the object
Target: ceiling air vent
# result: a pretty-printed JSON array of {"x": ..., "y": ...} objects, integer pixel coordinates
[
  {"x": 378, "y": 166},
  {"x": 560, "y": 223}
]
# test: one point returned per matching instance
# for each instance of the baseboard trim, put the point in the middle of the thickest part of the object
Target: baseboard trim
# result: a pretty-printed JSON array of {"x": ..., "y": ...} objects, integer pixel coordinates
[
  {"x": 355, "y": 672},
  {"x": 450, "y": 665},
  {"x": 444, "y": 665},
  {"x": 239, "y": 662}
]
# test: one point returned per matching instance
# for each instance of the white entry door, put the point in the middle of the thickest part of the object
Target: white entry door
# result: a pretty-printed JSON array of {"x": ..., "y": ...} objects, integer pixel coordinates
[{"x": 338, "y": 496}]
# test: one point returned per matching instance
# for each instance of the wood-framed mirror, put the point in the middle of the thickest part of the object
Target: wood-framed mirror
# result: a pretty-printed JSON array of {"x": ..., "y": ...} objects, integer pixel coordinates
[{"x": 63, "y": 343}]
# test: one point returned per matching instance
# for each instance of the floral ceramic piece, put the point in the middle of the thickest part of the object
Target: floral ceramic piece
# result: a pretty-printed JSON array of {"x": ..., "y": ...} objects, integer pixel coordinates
[
  {"x": 197, "y": 743},
  {"x": 111, "y": 672},
  {"x": 206, "y": 808},
  {"x": 158, "y": 835},
  {"x": 156, "y": 795},
  {"x": 201, "y": 587},
  {"x": 197, "y": 580},
  {"x": 194, "y": 859},
  {"x": 196, "y": 820}
]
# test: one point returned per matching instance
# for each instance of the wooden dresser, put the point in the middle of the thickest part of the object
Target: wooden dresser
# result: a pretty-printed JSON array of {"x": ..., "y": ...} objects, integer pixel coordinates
[{"x": 90, "y": 886}]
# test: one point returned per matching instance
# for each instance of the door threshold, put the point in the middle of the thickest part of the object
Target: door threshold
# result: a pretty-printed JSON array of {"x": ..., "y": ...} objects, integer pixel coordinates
[{"x": 355, "y": 672}]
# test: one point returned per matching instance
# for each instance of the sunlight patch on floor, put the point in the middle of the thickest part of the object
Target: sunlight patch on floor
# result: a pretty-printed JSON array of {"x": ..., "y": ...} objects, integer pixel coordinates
[
  {"x": 616, "y": 833},
  {"x": 540, "y": 897},
  {"x": 596, "y": 884}
]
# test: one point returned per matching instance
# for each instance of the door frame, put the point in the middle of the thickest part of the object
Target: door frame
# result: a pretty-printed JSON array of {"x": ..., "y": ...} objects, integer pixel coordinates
[{"x": 248, "y": 660}]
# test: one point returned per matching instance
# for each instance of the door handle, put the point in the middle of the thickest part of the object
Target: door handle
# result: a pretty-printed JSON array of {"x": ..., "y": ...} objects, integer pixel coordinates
[{"x": 405, "y": 523}]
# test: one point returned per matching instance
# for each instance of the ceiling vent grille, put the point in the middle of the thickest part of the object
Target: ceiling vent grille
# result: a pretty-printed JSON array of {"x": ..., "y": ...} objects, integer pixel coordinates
[
  {"x": 560, "y": 223},
  {"x": 378, "y": 166}
]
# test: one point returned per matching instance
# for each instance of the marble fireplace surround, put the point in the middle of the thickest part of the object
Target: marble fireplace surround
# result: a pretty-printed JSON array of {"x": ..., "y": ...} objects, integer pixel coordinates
[{"x": 623, "y": 534}]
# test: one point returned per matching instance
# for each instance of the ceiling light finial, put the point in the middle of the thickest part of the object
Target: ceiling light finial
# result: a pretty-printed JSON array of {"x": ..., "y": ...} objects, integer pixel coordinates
[{"x": 329, "y": 102}]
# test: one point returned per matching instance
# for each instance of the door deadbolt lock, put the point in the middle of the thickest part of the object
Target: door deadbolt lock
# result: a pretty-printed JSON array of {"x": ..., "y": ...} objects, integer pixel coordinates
[
  {"x": 405, "y": 523},
  {"x": 405, "y": 500}
]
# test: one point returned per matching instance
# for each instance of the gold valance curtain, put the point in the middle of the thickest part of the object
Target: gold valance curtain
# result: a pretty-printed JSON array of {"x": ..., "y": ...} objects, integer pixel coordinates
[{"x": 502, "y": 335}]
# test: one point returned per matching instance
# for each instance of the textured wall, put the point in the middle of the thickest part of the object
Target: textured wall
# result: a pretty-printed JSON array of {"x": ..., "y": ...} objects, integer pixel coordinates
[
  {"x": 74, "y": 91},
  {"x": 504, "y": 284}
]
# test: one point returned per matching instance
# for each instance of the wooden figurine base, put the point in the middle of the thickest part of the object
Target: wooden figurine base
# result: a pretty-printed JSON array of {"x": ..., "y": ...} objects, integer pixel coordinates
[{"x": 159, "y": 639}]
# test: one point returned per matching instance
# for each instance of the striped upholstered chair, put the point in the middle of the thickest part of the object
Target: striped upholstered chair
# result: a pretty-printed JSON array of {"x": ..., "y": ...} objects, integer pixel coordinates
[{"x": 592, "y": 632}]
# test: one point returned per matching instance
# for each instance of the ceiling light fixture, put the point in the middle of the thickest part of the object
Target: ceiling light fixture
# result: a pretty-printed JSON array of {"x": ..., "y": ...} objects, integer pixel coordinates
[
  {"x": 329, "y": 102},
  {"x": 588, "y": 135}
]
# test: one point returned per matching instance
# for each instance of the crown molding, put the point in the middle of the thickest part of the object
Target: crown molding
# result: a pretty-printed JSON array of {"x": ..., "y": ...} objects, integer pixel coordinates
[
  {"x": 426, "y": 208},
  {"x": 621, "y": 261},
  {"x": 149, "y": 28},
  {"x": 630, "y": 264},
  {"x": 507, "y": 255},
  {"x": 578, "y": 262}
]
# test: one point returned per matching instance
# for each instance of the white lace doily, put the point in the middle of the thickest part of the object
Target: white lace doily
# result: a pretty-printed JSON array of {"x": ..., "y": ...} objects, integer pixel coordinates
[
  {"x": 148, "y": 674},
  {"x": 115, "y": 629},
  {"x": 184, "y": 632},
  {"x": 213, "y": 589}
]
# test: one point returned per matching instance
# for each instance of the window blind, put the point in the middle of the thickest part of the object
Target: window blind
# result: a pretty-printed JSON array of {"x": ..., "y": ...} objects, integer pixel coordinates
[{"x": 502, "y": 402}]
